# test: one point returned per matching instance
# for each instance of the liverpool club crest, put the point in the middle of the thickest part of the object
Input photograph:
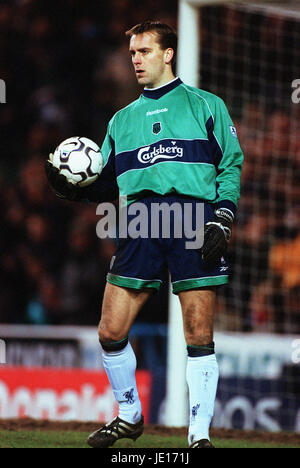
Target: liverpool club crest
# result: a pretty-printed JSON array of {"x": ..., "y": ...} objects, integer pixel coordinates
[{"x": 156, "y": 128}]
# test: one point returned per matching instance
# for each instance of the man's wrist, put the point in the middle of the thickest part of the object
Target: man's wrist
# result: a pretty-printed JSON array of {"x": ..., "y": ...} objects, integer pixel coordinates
[
  {"x": 224, "y": 216},
  {"x": 228, "y": 205}
]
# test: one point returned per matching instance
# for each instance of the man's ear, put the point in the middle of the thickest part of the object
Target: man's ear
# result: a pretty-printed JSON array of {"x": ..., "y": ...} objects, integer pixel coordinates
[{"x": 169, "y": 54}]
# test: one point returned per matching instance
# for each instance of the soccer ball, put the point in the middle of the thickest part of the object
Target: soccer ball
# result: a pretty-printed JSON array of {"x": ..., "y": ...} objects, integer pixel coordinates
[{"x": 79, "y": 159}]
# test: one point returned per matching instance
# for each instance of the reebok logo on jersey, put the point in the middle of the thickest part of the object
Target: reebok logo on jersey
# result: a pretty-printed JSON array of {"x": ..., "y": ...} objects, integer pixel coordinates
[
  {"x": 157, "y": 111},
  {"x": 149, "y": 155}
]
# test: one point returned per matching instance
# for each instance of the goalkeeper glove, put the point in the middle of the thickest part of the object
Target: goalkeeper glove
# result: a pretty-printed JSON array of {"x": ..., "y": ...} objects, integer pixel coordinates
[
  {"x": 60, "y": 184},
  {"x": 216, "y": 236}
]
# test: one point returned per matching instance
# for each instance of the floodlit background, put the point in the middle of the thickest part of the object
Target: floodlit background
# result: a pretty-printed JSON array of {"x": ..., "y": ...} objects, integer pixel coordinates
[{"x": 67, "y": 70}]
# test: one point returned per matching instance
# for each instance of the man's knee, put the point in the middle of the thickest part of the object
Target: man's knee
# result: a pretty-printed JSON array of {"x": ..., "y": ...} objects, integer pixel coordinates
[
  {"x": 106, "y": 334},
  {"x": 111, "y": 338}
]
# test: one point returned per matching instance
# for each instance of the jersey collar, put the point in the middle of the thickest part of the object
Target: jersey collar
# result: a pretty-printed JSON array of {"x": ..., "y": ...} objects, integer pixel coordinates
[{"x": 156, "y": 93}]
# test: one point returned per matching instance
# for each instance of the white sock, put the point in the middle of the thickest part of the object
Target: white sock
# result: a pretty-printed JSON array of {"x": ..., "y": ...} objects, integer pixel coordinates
[
  {"x": 120, "y": 367},
  {"x": 202, "y": 376}
]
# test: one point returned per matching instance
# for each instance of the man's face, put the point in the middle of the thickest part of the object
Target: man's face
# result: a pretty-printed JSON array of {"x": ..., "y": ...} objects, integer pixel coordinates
[{"x": 149, "y": 60}]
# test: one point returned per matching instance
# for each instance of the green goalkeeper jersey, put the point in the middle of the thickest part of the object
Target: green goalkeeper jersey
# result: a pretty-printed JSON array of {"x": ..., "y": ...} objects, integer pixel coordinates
[{"x": 175, "y": 139}]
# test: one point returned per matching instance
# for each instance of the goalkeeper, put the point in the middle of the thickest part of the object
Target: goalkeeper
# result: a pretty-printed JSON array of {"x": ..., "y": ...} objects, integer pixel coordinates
[{"x": 178, "y": 144}]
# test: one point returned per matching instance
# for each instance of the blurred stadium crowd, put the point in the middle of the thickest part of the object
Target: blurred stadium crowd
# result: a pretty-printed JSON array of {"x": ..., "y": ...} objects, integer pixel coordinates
[{"x": 67, "y": 71}]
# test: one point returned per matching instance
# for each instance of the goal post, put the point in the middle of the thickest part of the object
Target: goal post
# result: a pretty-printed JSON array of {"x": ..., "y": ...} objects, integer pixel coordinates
[
  {"x": 188, "y": 69},
  {"x": 189, "y": 35},
  {"x": 188, "y": 42}
]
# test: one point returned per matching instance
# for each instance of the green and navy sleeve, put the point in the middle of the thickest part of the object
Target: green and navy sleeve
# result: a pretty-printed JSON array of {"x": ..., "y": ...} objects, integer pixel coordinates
[
  {"x": 228, "y": 156},
  {"x": 105, "y": 188}
]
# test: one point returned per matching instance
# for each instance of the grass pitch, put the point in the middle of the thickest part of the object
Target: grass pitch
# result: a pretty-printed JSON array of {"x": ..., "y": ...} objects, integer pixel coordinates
[
  {"x": 77, "y": 439},
  {"x": 33, "y": 433}
]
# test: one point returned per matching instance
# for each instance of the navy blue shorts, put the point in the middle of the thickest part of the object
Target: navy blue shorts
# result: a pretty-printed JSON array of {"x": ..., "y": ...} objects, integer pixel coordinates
[{"x": 140, "y": 262}]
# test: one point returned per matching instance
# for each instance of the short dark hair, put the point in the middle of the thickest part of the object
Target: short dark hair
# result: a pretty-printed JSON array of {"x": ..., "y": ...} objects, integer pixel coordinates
[{"x": 167, "y": 37}]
